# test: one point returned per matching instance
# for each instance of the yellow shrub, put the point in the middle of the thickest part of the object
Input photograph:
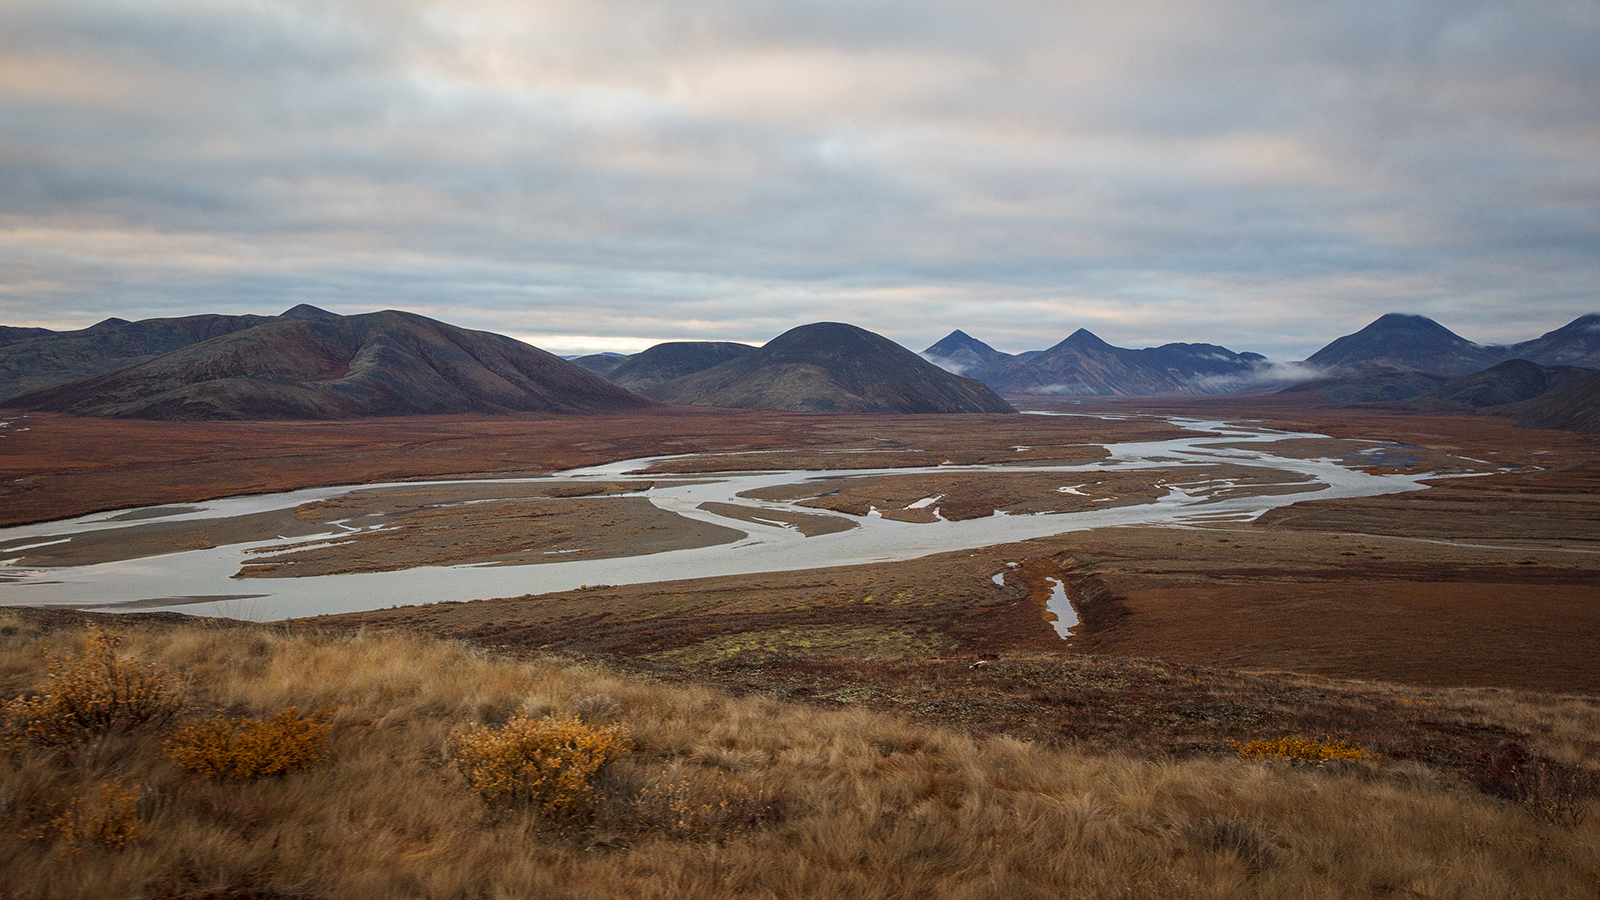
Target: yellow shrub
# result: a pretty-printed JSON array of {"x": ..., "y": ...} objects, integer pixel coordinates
[
  {"x": 245, "y": 749},
  {"x": 548, "y": 761},
  {"x": 95, "y": 694},
  {"x": 1301, "y": 748},
  {"x": 109, "y": 817}
]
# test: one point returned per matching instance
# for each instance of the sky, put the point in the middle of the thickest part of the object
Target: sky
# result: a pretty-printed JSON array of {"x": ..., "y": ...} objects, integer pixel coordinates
[{"x": 592, "y": 175}]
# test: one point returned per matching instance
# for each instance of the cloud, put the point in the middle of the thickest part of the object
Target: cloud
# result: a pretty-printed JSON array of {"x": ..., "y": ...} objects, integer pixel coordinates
[{"x": 1260, "y": 175}]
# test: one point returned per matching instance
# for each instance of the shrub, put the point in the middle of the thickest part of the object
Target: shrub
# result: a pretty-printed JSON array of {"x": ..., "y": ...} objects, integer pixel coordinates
[
  {"x": 688, "y": 810},
  {"x": 1554, "y": 791},
  {"x": 549, "y": 762},
  {"x": 109, "y": 816},
  {"x": 244, "y": 749},
  {"x": 1302, "y": 748},
  {"x": 97, "y": 693}
]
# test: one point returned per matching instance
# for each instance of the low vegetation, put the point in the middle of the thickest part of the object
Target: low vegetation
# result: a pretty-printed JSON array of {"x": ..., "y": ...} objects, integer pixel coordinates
[{"x": 435, "y": 769}]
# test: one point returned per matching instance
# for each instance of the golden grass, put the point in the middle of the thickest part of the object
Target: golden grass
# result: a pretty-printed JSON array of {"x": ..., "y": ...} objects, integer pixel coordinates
[{"x": 717, "y": 798}]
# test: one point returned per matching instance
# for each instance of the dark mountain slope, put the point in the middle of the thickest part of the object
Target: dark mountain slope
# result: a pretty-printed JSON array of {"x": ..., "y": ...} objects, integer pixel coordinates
[
  {"x": 1084, "y": 365},
  {"x": 1571, "y": 405},
  {"x": 1576, "y": 343},
  {"x": 63, "y": 356},
  {"x": 599, "y": 363},
  {"x": 1512, "y": 381},
  {"x": 10, "y": 334},
  {"x": 380, "y": 364},
  {"x": 674, "y": 359},
  {"x": 832, "y": 367},
  {"x": 307, "y": 311},
  {"x": 1371, "y": 383},
  {"x": 963, "y": 354},
  {"x": 1416, "y": 343}
]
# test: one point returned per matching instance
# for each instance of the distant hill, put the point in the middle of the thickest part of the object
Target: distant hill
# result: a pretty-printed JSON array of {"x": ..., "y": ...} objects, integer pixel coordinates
[
  {"x": 674, "y": 359},
  {"x": 1512, "y": 381},
  {"x": 832, "y": 367},
  {"x": 1085, "y": 365},
  {"x": 1370, "y": 383},
  {"x": 57, "y": 357},
  {"x": 1575, "y": 344},
  {"x": 599, "y": 363},
  {"x": 1415, "y": 343},
  {"x": 962, "y": 354},
  {"x": 334, "y": 367},
  {"x": 307, "y": 311},
  {"x": 1557, "y": 397},
  {"x": 1570, "y": 405},
  {"x": 11, "y": 335}
]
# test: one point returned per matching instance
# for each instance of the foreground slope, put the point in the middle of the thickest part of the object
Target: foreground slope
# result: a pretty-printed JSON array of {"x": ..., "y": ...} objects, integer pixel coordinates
[
  {"x": 380, "y": 364},
  {"x": 716, "y": 797},
  {"x": 832, "y": 367},
  {"x": 1085, "y": 365}
]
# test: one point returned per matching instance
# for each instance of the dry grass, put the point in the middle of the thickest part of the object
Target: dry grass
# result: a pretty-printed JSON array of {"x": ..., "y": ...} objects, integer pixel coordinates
[{"x": 718, "y": 797}]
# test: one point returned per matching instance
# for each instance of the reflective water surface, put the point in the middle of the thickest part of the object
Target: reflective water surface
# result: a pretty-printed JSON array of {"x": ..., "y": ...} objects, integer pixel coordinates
[{"x": 203, "y": 582}]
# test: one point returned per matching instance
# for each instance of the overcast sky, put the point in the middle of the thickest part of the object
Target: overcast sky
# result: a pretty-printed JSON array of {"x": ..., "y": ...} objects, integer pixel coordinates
[{"x": 607, "y": 174}]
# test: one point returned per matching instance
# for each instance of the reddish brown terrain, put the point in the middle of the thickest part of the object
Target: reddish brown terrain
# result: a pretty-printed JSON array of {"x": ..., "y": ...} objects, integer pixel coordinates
[{"x": 1481, "y": 581}]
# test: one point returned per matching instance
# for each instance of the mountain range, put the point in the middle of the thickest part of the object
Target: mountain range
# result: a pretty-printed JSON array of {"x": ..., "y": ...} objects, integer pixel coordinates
[{"x": 311, "y": 365}]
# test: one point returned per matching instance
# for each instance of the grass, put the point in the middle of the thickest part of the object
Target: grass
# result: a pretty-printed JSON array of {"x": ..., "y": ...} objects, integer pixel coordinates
[{"x": 719, "y": 796}]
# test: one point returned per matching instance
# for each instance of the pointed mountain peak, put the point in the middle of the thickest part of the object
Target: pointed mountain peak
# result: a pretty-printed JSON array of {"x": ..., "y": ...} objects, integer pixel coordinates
[
  {"x": 959, "y": 340},
  {"x": 1084, "y": 339}
]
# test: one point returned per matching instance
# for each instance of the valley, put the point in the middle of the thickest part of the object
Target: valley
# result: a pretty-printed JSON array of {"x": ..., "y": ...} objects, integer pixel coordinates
[{"x": 1477, "y": 580}]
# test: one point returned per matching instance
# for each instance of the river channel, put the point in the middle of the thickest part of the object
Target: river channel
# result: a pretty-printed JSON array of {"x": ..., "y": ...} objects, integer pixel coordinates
[{"x": 205, "y": 582}]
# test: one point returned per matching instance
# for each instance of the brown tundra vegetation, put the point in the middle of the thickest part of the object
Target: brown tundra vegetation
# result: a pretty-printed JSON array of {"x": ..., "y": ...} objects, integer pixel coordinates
[{"x": 697, "y": 793}]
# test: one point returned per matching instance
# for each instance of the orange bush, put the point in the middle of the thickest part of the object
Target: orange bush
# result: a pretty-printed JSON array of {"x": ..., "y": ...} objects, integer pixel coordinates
[
  {"x": 244, "y": 749},
  {"x": 97, "y": 693},
  {"x": 548, "y": 761},
  {"x": 1301, "y": 748}
]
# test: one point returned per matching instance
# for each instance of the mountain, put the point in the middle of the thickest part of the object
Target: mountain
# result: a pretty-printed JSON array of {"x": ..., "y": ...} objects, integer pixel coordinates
[
  {"x": 674, "y": 359},
  {"x": 1576, "y": 343},
  {"x": 1572, "y": 404},
  {"x": 961, "y": 353},
  {"x": 334, "y": 367},
  {"x": 1558, "y": 397},
  {"x": 307, "y": 311},
  {"x": 1085, "y": 365},
  {"x": 11, "y": 335},
  {"x": 57, "y": 357},
  {"x": 832, "y": 367},
  {"x": 599, "y": 363},
  {"x": 1370, "y": 383},
  {"x": 1415, "y": 343},
  {"x": 1512, "y": 381}
]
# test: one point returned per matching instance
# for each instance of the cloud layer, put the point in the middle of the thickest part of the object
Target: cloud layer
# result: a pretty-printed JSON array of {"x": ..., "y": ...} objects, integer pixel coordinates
[{"x": 603, "y": 174}]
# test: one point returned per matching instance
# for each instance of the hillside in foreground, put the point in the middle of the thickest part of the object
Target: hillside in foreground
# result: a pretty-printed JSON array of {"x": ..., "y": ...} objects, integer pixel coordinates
[{"x": 381, "y": 738}]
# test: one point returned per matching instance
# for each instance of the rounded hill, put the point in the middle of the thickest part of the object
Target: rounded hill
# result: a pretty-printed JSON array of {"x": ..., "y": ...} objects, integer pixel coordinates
[{"x": 832, "y": 367}]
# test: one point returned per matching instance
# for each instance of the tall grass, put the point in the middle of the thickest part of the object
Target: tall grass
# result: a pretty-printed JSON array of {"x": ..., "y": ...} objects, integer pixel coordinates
[{"x": 716, "y": 797}]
